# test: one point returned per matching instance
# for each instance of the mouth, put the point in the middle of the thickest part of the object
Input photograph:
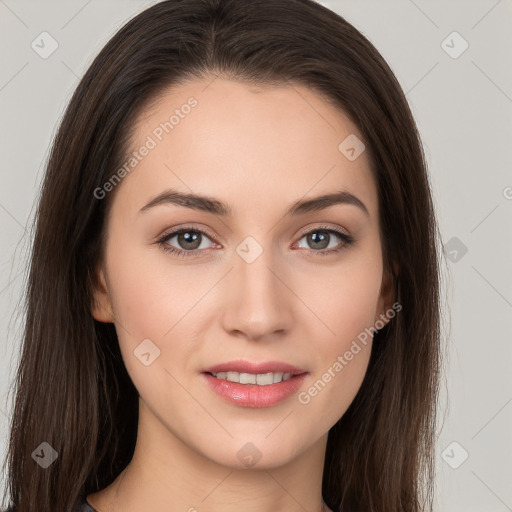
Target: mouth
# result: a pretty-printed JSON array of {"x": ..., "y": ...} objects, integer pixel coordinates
[
  {"x": 261, "y": 374},
  {"x": 254, "y": 384}
]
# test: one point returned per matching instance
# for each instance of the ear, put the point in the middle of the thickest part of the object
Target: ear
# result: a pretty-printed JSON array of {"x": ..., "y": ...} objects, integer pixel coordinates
[
  {"x": 387, "y": 294},
  {"x": 101, "y": 307}
]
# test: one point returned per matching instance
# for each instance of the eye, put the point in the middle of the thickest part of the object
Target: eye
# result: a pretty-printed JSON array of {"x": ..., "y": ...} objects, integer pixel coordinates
[
  {"x": 321, "y": 237},
  {"x": 188, "y": 239}
]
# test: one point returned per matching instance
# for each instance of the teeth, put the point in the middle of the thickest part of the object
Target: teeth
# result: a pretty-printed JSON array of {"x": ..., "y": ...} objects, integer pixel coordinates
[
  {"x": 247, "y": 378},
  {"x": 277, "y": 377},
  {"x": 233, "y": 376},
  {"x": 264, "y": 379},
  {"x": 261, "y": 379}
]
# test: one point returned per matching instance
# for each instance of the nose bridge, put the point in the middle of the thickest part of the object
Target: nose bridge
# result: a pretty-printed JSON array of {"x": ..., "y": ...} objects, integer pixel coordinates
[{"x": 258, "y": 296}]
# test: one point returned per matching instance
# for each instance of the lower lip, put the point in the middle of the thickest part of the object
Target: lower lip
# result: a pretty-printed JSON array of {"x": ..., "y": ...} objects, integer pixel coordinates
[{"x": 252, "y": 395}]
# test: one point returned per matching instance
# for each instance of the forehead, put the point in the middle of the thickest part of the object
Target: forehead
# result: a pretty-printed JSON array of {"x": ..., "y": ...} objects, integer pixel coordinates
[{"x": 248, "y": 145}]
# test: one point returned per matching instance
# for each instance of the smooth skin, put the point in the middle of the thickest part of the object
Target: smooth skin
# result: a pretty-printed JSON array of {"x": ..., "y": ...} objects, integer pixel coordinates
[{"x": 259, "y": 150}]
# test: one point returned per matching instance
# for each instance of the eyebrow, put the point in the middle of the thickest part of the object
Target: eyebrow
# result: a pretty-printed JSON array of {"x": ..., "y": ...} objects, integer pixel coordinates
[{"x": 216, "y": 207}]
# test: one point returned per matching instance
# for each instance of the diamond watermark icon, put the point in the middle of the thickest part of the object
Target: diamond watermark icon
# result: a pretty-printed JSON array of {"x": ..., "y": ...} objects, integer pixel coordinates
[
  {"x": 351, "y": 147},
  {"x": 454, "y": 45},
  {"x": 249, "y": 249},
  {"x": 249, "y": 455},
  {"x": 455, "y": 455},
  {"x": 455, "y": 249},
  {"x": 146, "y": 352},
  {"x": 44, "y": 45},
  {"x": 44, "y": 455}
]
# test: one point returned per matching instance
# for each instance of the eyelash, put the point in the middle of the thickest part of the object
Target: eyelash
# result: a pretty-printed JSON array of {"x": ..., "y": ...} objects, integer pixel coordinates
[{"x": 347, "y": 240}]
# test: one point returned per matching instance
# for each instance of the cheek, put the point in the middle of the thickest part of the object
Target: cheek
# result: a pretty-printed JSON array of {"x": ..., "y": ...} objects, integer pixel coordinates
[
  {"x": 344, "y": 296},
  {"x": 150, "y": 297},
  {"x": 152, "y": 303},
  {"x": 148, "y": 302},
  {"x": 341, "y": 359},
  {"x": 346, "y": 302}
]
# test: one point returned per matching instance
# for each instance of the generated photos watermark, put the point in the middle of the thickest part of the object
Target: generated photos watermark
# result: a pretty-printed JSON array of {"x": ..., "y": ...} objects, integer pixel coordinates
[
  {"x": 363, "y": 337},
  {"x": 152, "y": 140}
]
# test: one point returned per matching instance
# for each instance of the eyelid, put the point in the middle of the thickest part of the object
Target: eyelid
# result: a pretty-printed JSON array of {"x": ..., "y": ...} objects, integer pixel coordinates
[{"x": 323, "y": 227}]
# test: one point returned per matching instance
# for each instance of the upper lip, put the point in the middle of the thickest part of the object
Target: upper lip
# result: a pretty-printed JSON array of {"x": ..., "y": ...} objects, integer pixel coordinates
[{"x": 242, "y": 366}]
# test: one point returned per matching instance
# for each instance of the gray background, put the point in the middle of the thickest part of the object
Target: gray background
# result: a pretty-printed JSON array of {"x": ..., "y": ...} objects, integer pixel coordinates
[{"x": 463, "y": 108}]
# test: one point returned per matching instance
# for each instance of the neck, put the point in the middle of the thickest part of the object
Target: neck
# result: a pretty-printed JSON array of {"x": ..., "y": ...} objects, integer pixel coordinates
[{"x": 167, "y": 474}]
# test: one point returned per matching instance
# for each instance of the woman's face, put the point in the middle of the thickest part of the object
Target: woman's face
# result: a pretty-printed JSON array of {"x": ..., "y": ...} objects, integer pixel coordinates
[{"x": 252, "y": 281}]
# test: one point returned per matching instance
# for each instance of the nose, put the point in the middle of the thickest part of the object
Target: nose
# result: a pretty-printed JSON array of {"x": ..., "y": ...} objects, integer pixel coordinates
[{"x": 259, "y": 303}]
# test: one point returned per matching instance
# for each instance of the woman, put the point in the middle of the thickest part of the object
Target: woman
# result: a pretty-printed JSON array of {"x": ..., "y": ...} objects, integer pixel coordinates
[{"x": 233, "y": 291}]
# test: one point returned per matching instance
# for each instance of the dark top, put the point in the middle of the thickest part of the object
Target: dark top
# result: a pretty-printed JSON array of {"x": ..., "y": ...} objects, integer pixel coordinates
[{"x": 83, "y": 506}]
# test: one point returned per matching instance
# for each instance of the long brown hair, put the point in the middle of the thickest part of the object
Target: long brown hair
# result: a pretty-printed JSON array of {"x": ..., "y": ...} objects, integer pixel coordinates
[{"x": 72, "y": 389}]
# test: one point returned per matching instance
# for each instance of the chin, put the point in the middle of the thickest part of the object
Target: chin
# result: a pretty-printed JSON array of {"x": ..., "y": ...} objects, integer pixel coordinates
[{"x": 259, "y": 451}]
